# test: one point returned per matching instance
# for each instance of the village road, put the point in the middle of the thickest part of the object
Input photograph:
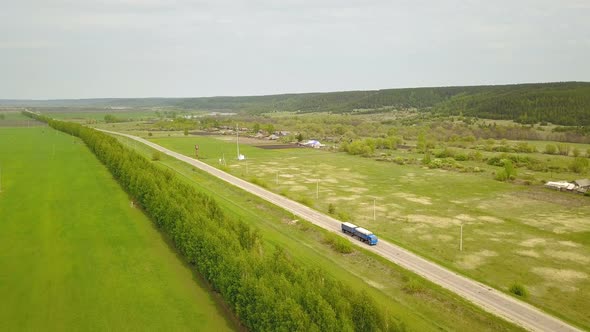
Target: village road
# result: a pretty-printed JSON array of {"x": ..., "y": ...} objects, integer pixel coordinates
[{"x": 490, "y": 299}]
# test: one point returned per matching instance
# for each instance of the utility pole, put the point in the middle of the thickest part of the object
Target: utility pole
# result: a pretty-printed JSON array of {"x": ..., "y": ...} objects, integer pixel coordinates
[
  {"x": 317, "y": 190},
  {"x": 238, "y": 139},
  {"x": 461, "y": 241}
]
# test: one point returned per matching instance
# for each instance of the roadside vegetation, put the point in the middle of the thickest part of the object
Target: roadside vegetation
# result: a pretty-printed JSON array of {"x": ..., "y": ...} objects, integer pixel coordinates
[{"x": 77, "y": 256}]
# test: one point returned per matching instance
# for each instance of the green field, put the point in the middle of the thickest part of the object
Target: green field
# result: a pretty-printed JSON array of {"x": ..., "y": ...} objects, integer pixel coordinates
[
  {"x": 76, "y": 256},
  {"x": 512, "y": 233},
  {"x": 420, "y": 305}
]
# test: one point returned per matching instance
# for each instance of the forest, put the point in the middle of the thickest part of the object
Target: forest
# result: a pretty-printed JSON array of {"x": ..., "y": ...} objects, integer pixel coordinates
[
  {"x": 265, "y": 289},
  {"x": 564, "y": 103}
]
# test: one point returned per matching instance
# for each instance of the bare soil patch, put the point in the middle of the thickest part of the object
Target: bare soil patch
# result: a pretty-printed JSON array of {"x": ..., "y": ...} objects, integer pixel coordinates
[
  {"x": 567, "y": 255},
  {"x": 528, "y": 253},
  {"x": 531, "y": 243},
  {"x": 440, "y": 222},
  {"x": 475, "y": 260},
  {"x": 277, "y": 146},
  {"x": 414, "y": 198},
  {"x": 560, "y": 275}
]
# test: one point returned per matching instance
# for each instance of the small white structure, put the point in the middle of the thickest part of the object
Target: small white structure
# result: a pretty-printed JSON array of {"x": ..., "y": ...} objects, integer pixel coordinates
[
  {"x": 560, "y": 185},
  {"x": 313, "y": 144},
  {"x": 241, "y": 157}
]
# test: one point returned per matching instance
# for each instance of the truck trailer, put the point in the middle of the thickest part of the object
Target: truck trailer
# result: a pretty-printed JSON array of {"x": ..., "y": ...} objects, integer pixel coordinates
[{"x": 359, "y": 233}]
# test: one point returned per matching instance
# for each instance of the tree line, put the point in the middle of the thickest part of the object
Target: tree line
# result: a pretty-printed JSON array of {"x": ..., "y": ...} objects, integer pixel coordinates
[
  {"x": 559, "y": 103},
  {"x": 264, "y": 287}
]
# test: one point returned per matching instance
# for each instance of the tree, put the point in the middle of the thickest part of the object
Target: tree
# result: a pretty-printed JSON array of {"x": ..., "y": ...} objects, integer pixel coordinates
[
  {"x": 427, "y": 159},
  {"x": 421, "y": 145},
  {"x": 509, "y": 169},
  {"x": 185, "y": 131}
]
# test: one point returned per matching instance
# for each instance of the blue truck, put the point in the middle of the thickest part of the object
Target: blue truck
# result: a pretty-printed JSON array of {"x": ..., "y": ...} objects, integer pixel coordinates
[{"x": 360, "y": 233}]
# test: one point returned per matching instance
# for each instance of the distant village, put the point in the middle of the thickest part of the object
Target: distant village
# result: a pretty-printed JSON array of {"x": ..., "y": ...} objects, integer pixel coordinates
[{"x": 264, "y": 135}]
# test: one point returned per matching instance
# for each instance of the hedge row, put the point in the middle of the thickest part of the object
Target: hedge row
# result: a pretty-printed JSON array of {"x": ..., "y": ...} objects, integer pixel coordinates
[{"x": 266, "y": 289}]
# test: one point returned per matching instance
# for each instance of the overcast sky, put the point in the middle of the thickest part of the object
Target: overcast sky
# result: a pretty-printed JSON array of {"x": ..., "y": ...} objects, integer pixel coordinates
[{"x": 146, "y": 48}]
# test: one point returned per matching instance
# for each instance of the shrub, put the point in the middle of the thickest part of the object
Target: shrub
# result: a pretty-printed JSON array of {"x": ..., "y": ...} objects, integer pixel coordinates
[
  {"x": 156, "y": 155},
  {"x": 185, "y": 131},
  {"x": 259, "y": 182},
  {"x": 563, "y": 149},
  {"x": 331, "y": 208},
  {"x": 550, "y": 149},
  {"x": 150, "y": 134},
  {"x": 518, "y": 290},
  {"x": 579, "y": 165},
  {"x": 501, "y": 175},
  {"x": 338, "y": 243},
  {"x": 305, "y": 201},
  {"x": 426, "y": 160},
  {"x": 413, "y": 286}
]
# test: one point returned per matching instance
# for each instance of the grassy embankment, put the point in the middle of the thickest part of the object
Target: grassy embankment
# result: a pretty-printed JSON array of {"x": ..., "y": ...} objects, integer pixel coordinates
[
  {"x": 75, "y": 255},
  {"x": 512, "y": 234},
  {"x": 419, "y": 304}
]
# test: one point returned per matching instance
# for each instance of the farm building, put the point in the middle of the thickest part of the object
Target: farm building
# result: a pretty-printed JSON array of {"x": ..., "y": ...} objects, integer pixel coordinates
[
  {"x": 581, "y": 186},
  {"x": 560, "y": 185}
]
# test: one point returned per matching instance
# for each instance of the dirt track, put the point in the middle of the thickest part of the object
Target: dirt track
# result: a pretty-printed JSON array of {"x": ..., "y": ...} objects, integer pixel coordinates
[{"x": 484, "y": 296}]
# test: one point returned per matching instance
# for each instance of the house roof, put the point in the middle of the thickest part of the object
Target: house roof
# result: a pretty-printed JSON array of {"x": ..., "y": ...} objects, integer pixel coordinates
[{"x": 583, "y": 182}]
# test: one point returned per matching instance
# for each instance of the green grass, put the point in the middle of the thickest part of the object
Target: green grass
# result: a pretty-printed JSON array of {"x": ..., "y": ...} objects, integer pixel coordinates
[
  {"x": 527, "y": 234},
  {"x": 76, "y": 256},
  {"x": 432, "y": 309}
]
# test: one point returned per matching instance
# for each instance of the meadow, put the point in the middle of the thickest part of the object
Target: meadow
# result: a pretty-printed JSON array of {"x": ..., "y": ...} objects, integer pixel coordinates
[
  {"x": 512, "y": 234},
  {"x": 75, "y": 254},
  {"x": 419, "y": 304}
]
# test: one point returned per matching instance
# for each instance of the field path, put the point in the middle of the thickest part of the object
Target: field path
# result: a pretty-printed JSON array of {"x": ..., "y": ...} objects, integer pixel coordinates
[{"x": 490, "y": 299}]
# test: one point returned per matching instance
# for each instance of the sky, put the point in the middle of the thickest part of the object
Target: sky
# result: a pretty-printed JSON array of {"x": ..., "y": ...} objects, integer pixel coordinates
[{"x": 54, "y": 49}]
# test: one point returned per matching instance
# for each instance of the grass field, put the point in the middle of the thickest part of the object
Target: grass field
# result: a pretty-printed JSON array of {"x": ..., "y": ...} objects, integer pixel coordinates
[
  {"x": 421, "y": 305},
  {"x": 512, "y": 234},
  {"x": 76, "y": 256}
]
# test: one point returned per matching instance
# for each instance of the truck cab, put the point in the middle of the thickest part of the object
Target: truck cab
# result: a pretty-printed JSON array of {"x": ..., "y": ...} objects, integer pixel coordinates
[{"x": 372, "y": 239}]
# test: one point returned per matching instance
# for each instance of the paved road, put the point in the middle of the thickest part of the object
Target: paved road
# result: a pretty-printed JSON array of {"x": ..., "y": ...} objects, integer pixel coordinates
[{"x": 486, "y": 297}]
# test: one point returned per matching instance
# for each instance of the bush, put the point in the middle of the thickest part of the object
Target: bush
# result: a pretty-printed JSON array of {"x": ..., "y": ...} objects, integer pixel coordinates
[
  {"x": 331, "y": 208},
  {"x": 150, "y": 134},
  {"x": 579, "y": 165},
  {"x": 426, "y": 160},
  {"x": 259, "y": 182},
  {"x": 413, "y": 286},
  {"x": 518, "y": 290},
  {"x": 338, "y": 243},
  {"x": 156, "y": 155},
  {"x": 550, "y": 149},
  {"x": 501, "y": 175}
]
